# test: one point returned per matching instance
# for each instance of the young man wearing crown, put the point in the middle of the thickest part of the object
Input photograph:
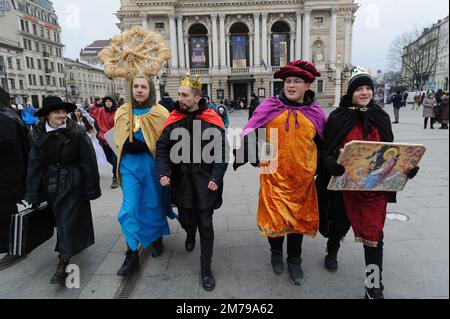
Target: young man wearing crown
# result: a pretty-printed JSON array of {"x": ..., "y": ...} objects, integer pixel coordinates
[
  {"x": 287, "y": 200},
  {"x": 190, "y": 157}
]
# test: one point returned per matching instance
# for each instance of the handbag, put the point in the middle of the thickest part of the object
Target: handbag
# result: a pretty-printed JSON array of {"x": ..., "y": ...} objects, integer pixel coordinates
[{"x": 30, "y": 228}]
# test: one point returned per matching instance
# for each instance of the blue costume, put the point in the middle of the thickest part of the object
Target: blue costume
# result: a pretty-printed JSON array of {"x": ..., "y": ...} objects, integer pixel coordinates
[{"x": 145, "y": 207}]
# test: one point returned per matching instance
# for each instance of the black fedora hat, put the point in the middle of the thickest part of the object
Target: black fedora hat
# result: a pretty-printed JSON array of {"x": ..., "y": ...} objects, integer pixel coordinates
[{"x": 54, "y": 103}]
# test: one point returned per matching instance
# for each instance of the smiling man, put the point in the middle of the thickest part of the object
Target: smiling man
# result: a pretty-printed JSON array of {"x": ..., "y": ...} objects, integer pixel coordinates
[
  {"x": 194, "y": 170},
  {"x": 287, "y": 200}
]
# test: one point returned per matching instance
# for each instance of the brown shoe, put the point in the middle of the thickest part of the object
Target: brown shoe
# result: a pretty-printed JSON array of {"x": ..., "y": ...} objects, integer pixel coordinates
[
  {"x": 60, "y": 275},
  {"x": 115, "y": 183}
]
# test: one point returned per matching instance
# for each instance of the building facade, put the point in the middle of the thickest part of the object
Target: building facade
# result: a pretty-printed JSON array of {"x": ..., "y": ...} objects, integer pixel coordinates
[
  {"x": 37, "y": 68},
  {"x": 89, "y": 53},
  {"x": 86, "y": 82},
  {"x": 427, "y": 58},
  {"x": 236, "y": 46}
]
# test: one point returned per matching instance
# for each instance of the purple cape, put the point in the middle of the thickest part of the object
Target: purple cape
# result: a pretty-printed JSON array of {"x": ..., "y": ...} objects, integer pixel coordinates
[{"x": 272, "y": 107}]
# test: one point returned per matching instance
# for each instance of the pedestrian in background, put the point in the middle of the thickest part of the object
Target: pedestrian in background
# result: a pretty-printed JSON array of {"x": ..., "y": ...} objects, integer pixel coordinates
[
  {"x": 397, "y": 103},
  {"x": 167, "y": 102},
  {"x": 28, "y": 116},
  {"x": 62, "y": 170},
  {"x": 444, "y": 112},
  {"x": 254, "y": 102},
  {"x": 429, "y": 105},
  {"x": 14, "y": 148},
  {"x": 104, "y": 120}
]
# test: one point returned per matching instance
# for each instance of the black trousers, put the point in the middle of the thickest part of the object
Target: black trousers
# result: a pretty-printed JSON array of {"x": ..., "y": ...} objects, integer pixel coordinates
[
  {"x": 374, "y": 256},
  {"x": 193, "y": 219},
  {"x": 425, "y": 122},
  {"x": 7, "y": 209},
  {"x": 111, "y": 158},
  {"x": 294, "y": 244},
  {"x": 339, "y": 223}
]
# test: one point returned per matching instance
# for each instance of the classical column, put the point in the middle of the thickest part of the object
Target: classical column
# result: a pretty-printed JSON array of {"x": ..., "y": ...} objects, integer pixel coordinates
[
  {"x": 251, "y": 50},
  {"x": 292, "y": 45},
  {"x": 298, "y": 36},
  {"x": 173, "y": 41},
  {"x": 348, "y": 39},
  {"x": 306, "y": 34},
  {"x": 264, "y": 37},
  {"x": 227, "y": 46},
  {"x": 145, "y": 21},
  {"x": 180, "y": 41},
  {"x": 333, "y": 31},
  {"x": 257, "y": 48},
  {"x": 223, "y": 45},
  {"x": 186, "y": 47},
  {"x": 269, "y": 49},
  {"x": 214, "y": 41},
  {"x": 209, "y": 51}
]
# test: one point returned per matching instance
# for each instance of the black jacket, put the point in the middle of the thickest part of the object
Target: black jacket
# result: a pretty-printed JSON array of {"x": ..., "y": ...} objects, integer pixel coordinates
[
  {"x": 340, "y": 122},
  {"x": 189, "y": 178},
  {"x": 168, "y": 103},
  {"x": 14, "y": 148},
  {"x": 62, "y": 170}
]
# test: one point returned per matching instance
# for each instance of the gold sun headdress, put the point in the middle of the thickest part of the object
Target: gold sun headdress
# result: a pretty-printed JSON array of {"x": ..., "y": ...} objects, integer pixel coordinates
[
  {"x": 186, "y": 81},
  {"x": 134, "y": 52}
]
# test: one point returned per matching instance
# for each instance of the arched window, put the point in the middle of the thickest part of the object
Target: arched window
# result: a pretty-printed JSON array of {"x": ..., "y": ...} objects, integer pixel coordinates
[
  {"x": 239, "y": 45},
  {"x": 198, "y": 46},
  {"x": 280, "y": 49}
]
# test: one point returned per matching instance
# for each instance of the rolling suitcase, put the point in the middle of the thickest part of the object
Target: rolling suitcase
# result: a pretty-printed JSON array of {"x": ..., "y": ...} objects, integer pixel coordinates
[{"x": 30, "y": 228}]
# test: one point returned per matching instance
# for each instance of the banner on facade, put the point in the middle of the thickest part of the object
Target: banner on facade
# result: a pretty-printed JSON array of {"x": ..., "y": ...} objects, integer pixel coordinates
[
  {"x": 280, "y": 50},
  {"x": 239, "y": 51},
  {"x": 198, "y": 47}
]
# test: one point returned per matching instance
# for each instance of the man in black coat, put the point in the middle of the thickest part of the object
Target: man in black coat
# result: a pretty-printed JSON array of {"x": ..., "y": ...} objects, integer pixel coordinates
[
  {"x": 14, "y": 147},
  {"x": 196, "y": 175},
  {"x": 62, "y": 171}
]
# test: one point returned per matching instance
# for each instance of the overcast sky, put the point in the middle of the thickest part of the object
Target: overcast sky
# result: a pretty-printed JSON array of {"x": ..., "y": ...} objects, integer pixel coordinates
[{"x": 377, "y": 23}]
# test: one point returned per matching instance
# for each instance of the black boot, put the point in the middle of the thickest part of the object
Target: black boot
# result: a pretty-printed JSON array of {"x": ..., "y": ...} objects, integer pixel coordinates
[
  {"x": 374, "y": 293},
  {"x": 277, "y": 261},
  {"x": 208, "y": 280},
  {"x": 330, "y": 261},
  {"x": 295, "y": 270},
  {"x": 157, "y": 247},
  {"x": 189, "y": 243},
  {"x": 60, "y": 275},
  {"x": 131, "y": 263}
]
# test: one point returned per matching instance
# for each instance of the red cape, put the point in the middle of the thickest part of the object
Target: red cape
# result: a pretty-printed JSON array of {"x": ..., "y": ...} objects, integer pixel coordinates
[{"x": 208, "y": 115}]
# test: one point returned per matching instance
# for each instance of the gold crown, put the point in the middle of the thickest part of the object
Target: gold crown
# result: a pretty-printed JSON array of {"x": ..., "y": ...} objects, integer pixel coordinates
[{"x": 187, "y": 82}]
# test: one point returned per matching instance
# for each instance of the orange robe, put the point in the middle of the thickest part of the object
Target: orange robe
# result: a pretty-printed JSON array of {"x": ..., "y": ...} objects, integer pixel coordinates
[{"x": 288, "y": 198}]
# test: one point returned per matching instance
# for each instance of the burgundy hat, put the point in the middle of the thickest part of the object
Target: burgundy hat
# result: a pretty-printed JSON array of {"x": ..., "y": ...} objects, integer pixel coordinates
[{"x": 299, "y": 68}]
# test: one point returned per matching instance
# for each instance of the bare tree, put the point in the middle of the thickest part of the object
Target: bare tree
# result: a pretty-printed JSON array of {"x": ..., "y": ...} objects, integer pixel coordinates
[{"x": 415, "y": 55}]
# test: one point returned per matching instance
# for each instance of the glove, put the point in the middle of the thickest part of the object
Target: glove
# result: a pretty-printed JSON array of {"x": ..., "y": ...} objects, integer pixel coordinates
[
  {"x": 334, "y": 167},
  {"x": 412, "y": 172},
  {"x": 136, "y": 147}
]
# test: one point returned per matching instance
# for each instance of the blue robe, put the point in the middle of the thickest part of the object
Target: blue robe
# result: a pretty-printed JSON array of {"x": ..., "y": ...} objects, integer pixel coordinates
[{"x": 145, "y": 206}]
